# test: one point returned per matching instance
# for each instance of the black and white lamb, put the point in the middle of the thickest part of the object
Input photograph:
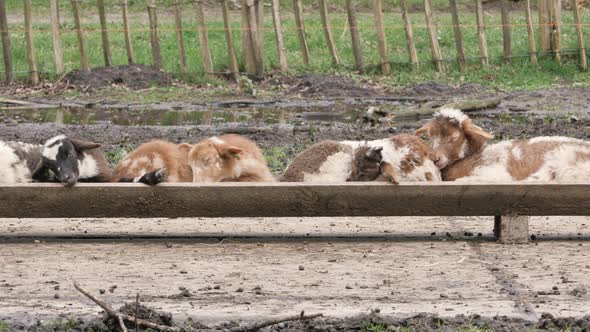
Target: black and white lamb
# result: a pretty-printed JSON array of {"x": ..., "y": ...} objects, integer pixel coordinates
[{"x": 60, "y": 159}]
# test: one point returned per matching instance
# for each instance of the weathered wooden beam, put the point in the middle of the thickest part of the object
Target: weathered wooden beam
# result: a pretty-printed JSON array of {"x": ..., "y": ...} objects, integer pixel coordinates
[
  {"x": 512, "y": 229},
  {"x": 292, "y": 200}
]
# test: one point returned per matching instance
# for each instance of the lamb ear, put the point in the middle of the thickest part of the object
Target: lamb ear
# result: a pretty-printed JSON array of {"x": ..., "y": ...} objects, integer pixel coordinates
[
  {"x": 473, "y": 131},
  {"x": 80, "y": 145},
  {"x": 230, "y": 151},
  {"x": 185, "y": 147},
  {"x": 424, "y": 130},
  {"x": 476, "y": 137}
]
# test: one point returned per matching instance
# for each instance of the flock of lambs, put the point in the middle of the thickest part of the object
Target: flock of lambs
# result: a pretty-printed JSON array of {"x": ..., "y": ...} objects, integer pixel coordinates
[{"x": 458, "y": 150}]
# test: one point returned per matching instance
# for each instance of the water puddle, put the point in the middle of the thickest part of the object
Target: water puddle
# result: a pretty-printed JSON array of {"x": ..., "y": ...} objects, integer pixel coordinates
[
  {"x": 127, "y": 117},
  {"x": 246, "y": 115}
]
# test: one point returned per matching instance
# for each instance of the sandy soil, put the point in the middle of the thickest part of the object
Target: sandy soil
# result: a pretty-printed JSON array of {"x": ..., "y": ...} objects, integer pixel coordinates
[{"x": 268, "y": 267}]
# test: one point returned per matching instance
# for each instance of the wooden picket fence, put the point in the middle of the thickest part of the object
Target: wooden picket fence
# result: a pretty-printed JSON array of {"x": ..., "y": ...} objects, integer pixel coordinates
[{"x": 252, "y": 14}]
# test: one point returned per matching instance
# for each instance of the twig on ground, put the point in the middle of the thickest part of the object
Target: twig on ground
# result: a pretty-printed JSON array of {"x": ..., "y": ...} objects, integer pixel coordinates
[
  {"x": 136, "y": 311},
  {"x": 474, "y": 105},
  {"x": 122, "y": 323},
  {"x": 15, "y": 101},
  {"x": 266, "y": 323},
  {"x": 111, "y": 312}
]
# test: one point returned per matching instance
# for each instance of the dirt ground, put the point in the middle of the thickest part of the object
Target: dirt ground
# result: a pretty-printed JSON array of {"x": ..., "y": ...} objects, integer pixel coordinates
[
  {"x": 132, "y": 76},
  {"x": 304, "y": 109},
  {"x": 425, "y": 273}
]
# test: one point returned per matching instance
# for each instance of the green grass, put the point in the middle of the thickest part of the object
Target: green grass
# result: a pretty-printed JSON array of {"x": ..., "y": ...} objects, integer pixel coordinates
[
  {"x": 136, "y": 5},
  {"x": 520, "y": 74},
  {"x": 4, "y": 327},
  {"x": 374, "y": 327},
  {"x": 60, "y": 324},
  {"x": 277, "y": 158}
]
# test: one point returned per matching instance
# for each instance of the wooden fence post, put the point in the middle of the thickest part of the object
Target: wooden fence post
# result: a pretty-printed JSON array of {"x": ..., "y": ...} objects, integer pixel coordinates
[
  {"x": 78, "y": 26},
  {"x": 298, "y": 10},
  {"x": 179, "y": 38},
  {"x": 436, "y": 54},
  {"x": 544, "y": 26},
  {"x": 577, "y": 22},
  {"x": 382, "y": 44},
  {"x": 231, "y": 52},
  {"x": 409, "y": 34},
  {"x": 276, "y": 18},
  {"x": 555, "y": 28},
  {"x": 247, "y": 47},
  {"x": 328, "y": 32},
  {"x": 531, "y": 33},
  {"x": 127, "y": 33},
  {"x": 481, "y": 33},
  {"x": 203, "y": 39},
  {"x": 506, "y": 38},
  {"x": 254, "y": 41},
  {"x": 30, "y": 43},
  {"x": 106, "y": 48},
  {"x": 55, "y": 33},
  {"x": 458, "y": 35},
  {"x": 155, "y": 38},
  {"x": 355, "y": 36},
  {"x": 6, "y": 48},
  {"x": 259, "y": 7}
]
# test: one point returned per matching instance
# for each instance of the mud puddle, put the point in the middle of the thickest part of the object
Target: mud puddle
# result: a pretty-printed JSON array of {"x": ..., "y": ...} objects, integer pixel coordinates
[
  {"x": 244, "y": 112},
  {"x": 126, "y": 117}
]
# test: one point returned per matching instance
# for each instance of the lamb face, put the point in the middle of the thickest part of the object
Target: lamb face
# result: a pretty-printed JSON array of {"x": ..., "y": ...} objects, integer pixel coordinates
[
  {"x": 366, "y": 165},
  {"x": 66, "y": 159},
  {"x": 454, "y": 136}
]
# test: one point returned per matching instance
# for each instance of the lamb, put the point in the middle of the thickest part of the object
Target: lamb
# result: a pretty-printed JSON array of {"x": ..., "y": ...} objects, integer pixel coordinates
[
  {"x": 155, "y": 162},
  {"x": 228, "y": 158},
  {"x": 368, "y": 165},
  {"x": 59, "y": 159},
  {"x": 225, "y": 158},
  {"x": 462, "y": 152},
  {"x": 404, "y": 158}
]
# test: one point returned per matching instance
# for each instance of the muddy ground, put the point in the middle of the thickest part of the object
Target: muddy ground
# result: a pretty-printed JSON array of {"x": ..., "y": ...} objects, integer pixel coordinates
[
  {"x": 303, "y": 110},
  {"x": 300, "y": 111}
]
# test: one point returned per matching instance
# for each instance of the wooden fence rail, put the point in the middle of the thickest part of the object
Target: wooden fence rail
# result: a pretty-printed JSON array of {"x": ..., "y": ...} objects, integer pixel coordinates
[
  {"x": 510, "y": 204},
  {"x": 252, "y": 57}
]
